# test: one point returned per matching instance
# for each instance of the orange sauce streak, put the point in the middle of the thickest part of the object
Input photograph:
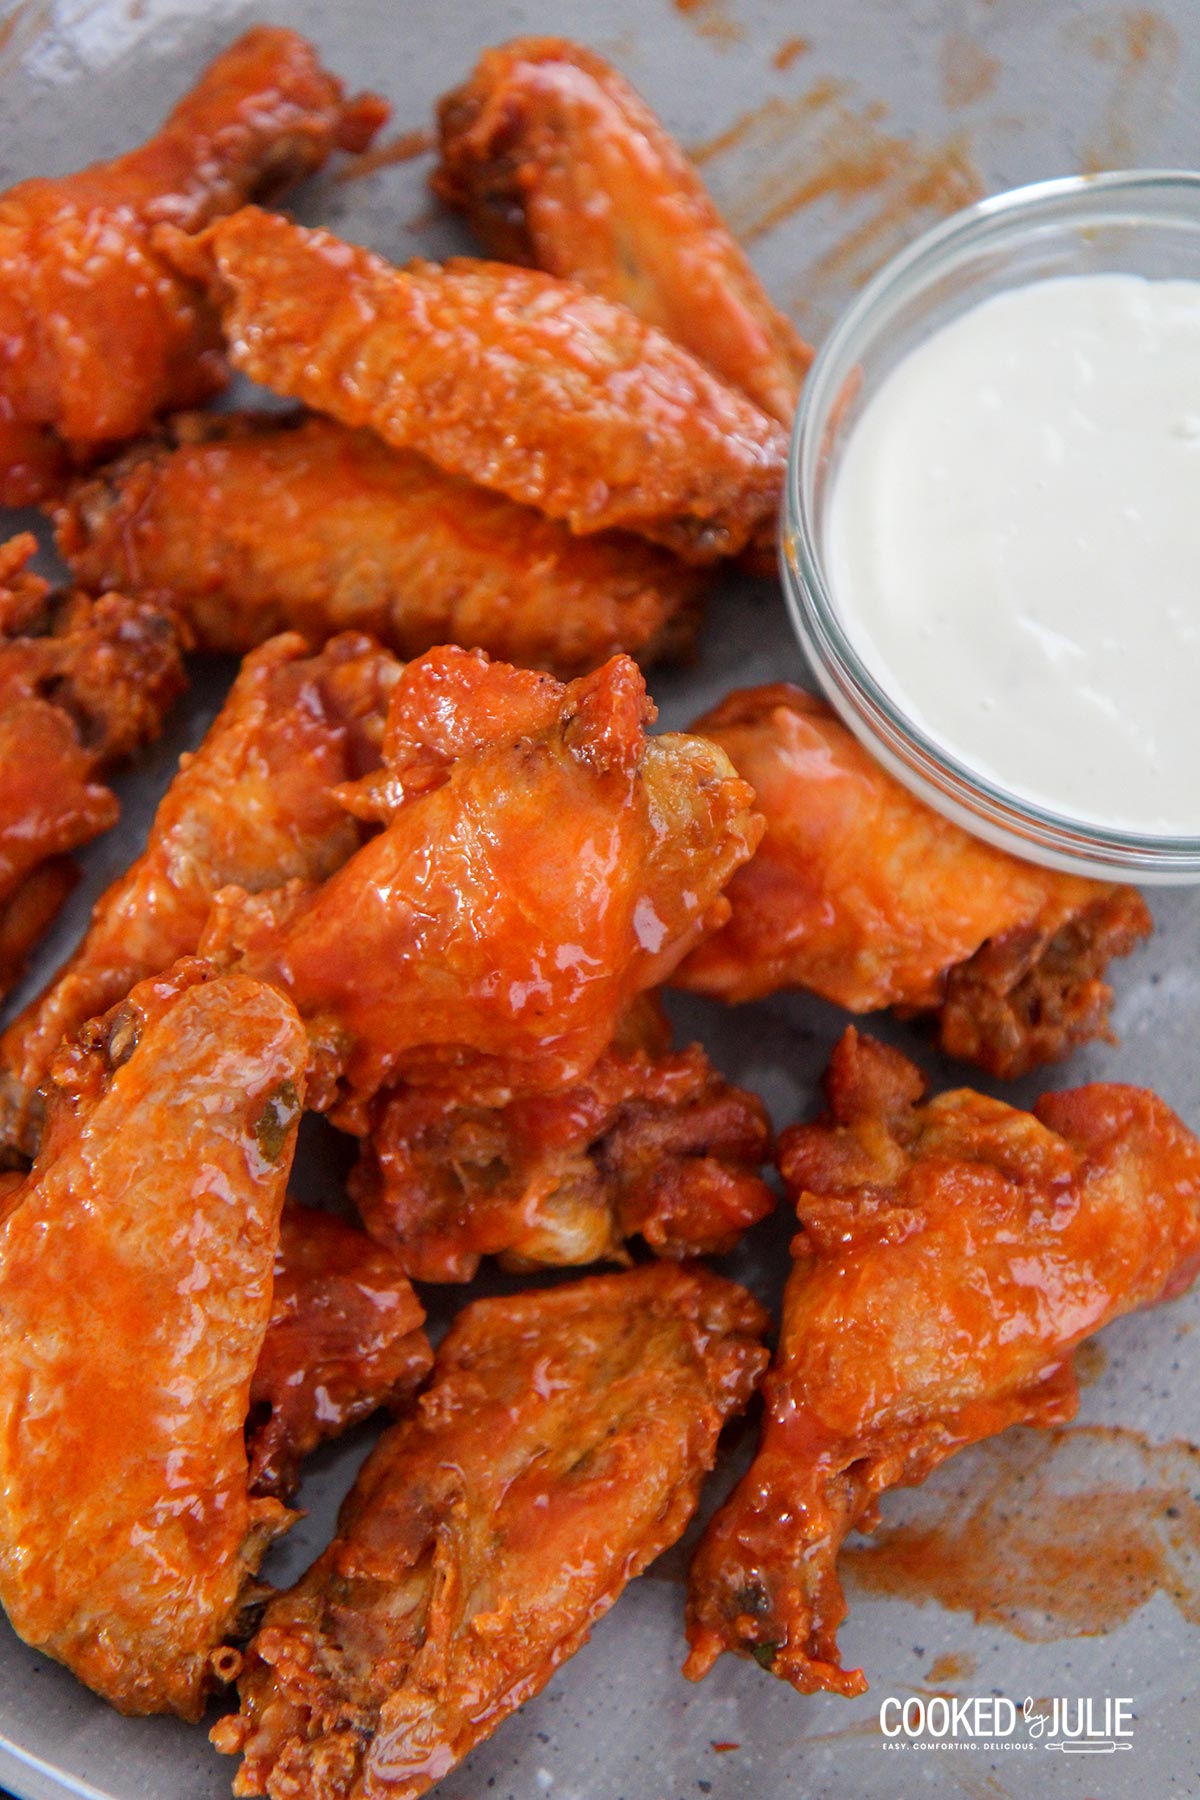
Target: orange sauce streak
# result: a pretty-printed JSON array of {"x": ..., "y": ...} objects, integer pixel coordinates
[
  {"x": 32, "y": 16},
  {"x": 1029, "y": 1542},
  {"x": 711, "y": 19},
  {"x": 910, "y": 181},
  {"x": 790, "y": 51},
  {"x": 968, "y": 72},
  {"x": 769, "y": 124},
  {"x": 1144, "y": 48},
  {"x": 957, "y": 1665},
  {"x": 403, "y": 148},
  {"x": 819, "y": 148}
]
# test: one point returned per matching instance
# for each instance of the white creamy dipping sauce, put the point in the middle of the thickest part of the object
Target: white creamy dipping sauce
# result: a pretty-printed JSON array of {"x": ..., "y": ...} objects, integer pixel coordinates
[{"x": 1013, "y": 545}]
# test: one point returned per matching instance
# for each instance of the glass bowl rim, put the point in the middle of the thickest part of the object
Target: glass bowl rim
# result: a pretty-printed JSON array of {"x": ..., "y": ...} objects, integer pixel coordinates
[{"x": 980, "y": 804}]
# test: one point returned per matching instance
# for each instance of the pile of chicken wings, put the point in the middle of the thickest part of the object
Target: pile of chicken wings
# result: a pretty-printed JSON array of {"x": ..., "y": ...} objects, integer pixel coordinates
[{"x": 426, "y": 875}]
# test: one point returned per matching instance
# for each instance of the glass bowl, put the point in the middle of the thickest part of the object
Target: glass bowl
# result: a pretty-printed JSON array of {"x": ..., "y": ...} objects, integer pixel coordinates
[{"x": 1144, "y": 222}]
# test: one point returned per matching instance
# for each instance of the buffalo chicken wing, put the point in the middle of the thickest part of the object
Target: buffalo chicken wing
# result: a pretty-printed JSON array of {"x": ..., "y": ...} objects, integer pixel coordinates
[
  {"x": 560, "y": 399},
  {"x": 558, "y": 163},
  {"x": 560, "y": 1448},
  {"x": 865, "y": 895},
  {"x": 250, "y": 525},
  {"x": 542, "y": 863},
  {"x": 135, "y": 1290},
  {"x": 952, "y": 1256},
  {"x": 97, "y": 331}
]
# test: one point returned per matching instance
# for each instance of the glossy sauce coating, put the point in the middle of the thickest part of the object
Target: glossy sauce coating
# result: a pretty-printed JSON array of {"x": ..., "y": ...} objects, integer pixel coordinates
[
  {"x": 135, "y": 1290},
  {"x": 29, "y": 911},
  {"x": 531, "y": 386},
  {"x": 254, "y": 525},
  {"x": 253, "y": 805},
  {"x": 560, "y": 1447},
  {"x": 586, "y": 857},
  {"x": 344, "y": 1338},
  {"x": 951, "y": 1257},
  {"x": 865, "y": 895},
  {"x": 558, "y": 163},
  {"x": 98, "y": 332}
]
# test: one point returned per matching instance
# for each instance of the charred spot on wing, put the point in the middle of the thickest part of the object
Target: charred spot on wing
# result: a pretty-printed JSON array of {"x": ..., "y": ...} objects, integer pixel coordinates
[
  {"x": 276, "y": 1120},
  {"x": 751, "y": 1599}
]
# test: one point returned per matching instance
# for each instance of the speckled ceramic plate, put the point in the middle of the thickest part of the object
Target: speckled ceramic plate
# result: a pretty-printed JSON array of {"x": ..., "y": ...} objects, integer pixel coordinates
[{"x": 831, "y": 131}]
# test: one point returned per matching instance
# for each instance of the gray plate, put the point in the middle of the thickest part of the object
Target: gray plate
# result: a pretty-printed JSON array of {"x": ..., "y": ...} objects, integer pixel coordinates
[{"x": 856, "y": 124}]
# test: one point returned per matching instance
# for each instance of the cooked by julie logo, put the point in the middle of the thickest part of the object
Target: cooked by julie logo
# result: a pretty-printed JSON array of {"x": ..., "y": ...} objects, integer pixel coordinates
[
  {"x": 1081, "y": 1726},
  {"x": 1096, "y": 1726}
]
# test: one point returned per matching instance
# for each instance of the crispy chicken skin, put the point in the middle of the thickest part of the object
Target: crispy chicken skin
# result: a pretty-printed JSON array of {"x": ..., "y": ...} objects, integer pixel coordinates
[
  {"x": 135, "y": 1289},
  {"x": 656, "y": 1146},
  {"x": 254, "y": 805},
  {"x": 866, "y": 896},
  {"x": 97, "y": 331},
  {"x": 344, "y": 1338},
  {"x": 250, "y": 525},
  {"x": 951, "y": 1257},
  {"x": 83, "y": 683},
  {"x": 560, "y": 1448},
  {"x": 558, "y": 163},
  {"x": 530, "y": 386},
  {"x": 542, "y": 863}
]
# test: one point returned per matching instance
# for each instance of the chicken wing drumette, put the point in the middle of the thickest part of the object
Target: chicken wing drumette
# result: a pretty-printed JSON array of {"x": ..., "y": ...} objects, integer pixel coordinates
[
  {"x": 558, "y": 163},
  {"x": 559, "y": 1449},
  {"x": 255, "y": 805},
  {"x": 135, "y": 1290},
  {"x": 97, "y": 331},
  {"x": 83, "y": 683},
  {"x": 249, "y": 525},
  {"x": 865, "y": 895},
  {"x": 534, "y": 387},
  {"x": 542, "y": 862},
  {"x": 952, "y": 1256},
  {"x": 651, "y": 1143}
]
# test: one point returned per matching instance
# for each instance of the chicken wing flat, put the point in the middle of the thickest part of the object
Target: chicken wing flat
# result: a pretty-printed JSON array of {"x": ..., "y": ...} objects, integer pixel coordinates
[
  {"x": 951, "y": 1258},
  {"x": 653, "y": 1146},
  {"x": 253, "y": 806},
  {"x": 863, "y": 894},
  {"x": 542, "y": 863},
  {"x": 560, "y": 1448},
  {"x": 558, "y": 163},
  {"x": 344, "y": 1338},
  {"x": 83, "y": 683},
  {"x": 556, "y": 397},
  {"x": 135, "y": 1289},
  {"x": 252, "y": 525},
  {"x": 97, "y": 332}
]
